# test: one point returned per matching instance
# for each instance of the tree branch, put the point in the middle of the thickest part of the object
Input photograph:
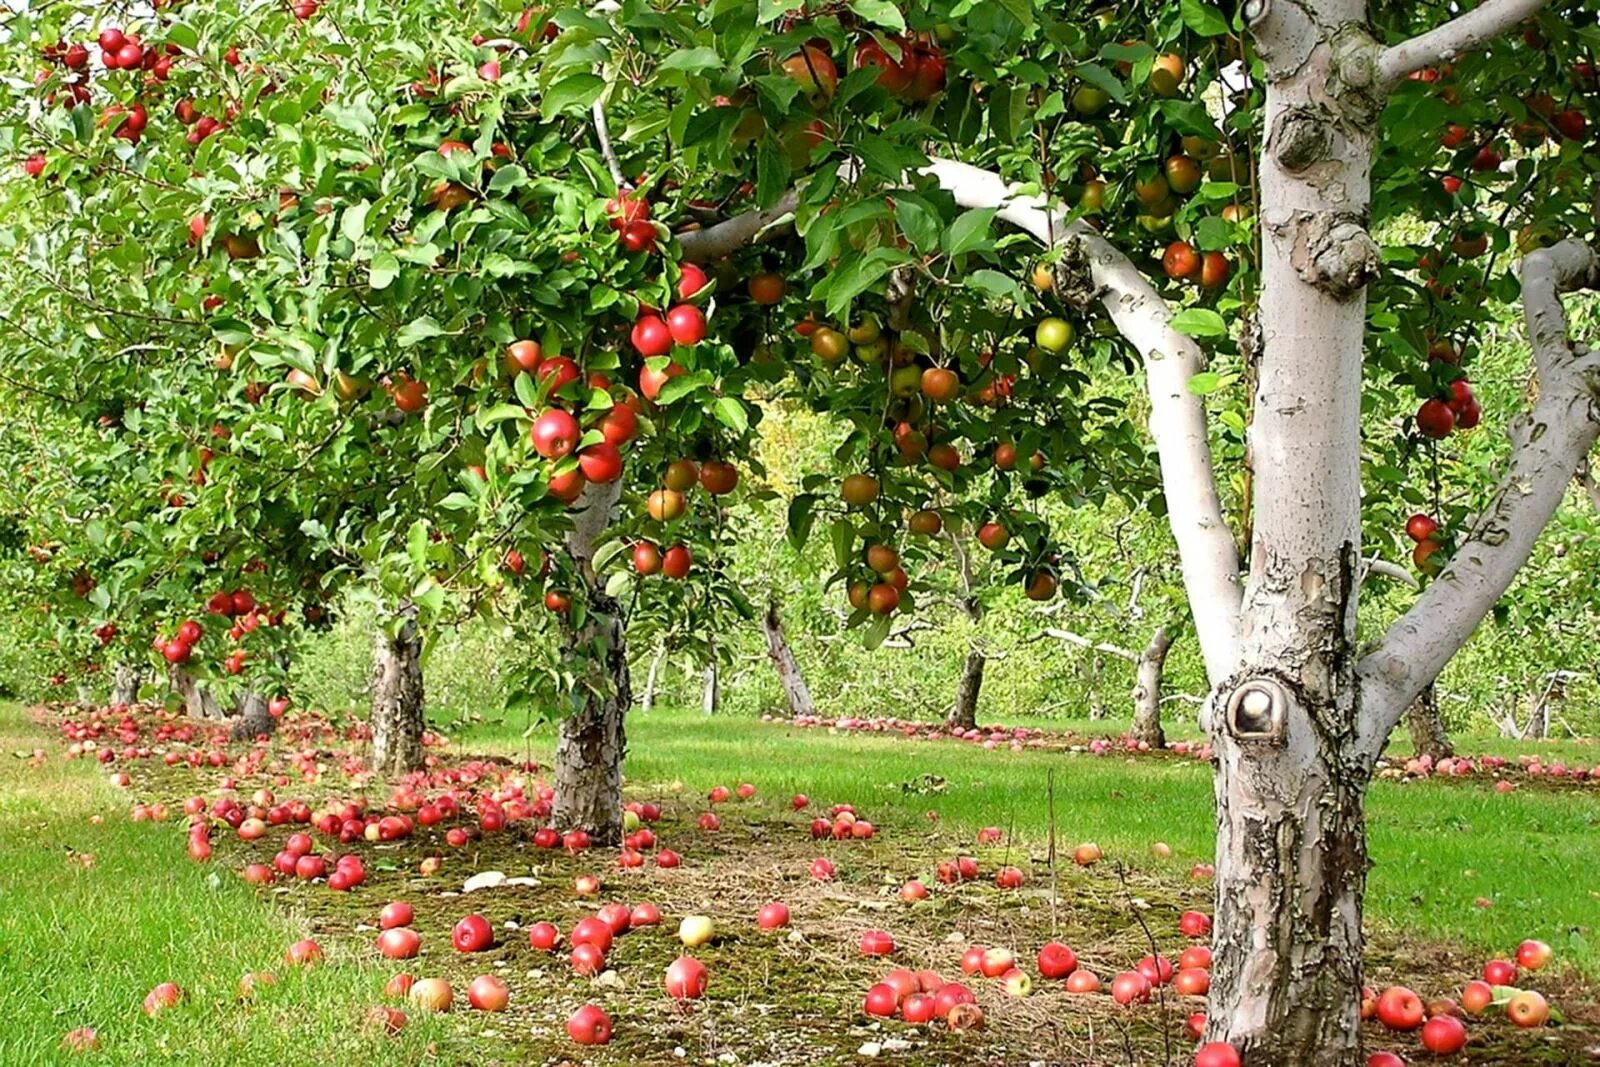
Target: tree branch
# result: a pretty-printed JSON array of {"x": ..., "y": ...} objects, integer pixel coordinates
[
  {"x": 1548, "y": 444},
  {"x": 1383, "y": 568},
  {"x": 714, "y": 242},
  {"x": 1177, "y": 416},
  {"x": 1488, "y": 20},
  {"x": 1083, "y": 642}
]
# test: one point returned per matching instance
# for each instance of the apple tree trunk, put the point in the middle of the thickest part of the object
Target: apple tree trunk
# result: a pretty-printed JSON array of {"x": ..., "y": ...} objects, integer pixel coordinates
[
  {"x": 1426, "y": 726},
  {"x": 591, "y": 743},
  {"x": 252, "y": 718},
  {"x": 1291, "y": 838},
  {"x": 397, "y": 698},
  {"x": 199, "y": 702},
  {"x": 125, "y": 681},
  {"x": 1147, "y": 690},
  {"x": 795, "y": 692},
  {"x": 652, "y": 678},
  {"x": 964, "y": 712},
  {"x": 711, "y": 683}
]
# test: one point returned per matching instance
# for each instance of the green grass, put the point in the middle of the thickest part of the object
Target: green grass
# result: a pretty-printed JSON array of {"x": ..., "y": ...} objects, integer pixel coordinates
[
  {"x": 81, "y": 945},
  {"x": 1436, "y": 847}
]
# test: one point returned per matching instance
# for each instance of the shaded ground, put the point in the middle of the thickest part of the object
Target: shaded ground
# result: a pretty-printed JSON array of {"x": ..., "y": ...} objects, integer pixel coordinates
[{"x": 795, "y": 997}]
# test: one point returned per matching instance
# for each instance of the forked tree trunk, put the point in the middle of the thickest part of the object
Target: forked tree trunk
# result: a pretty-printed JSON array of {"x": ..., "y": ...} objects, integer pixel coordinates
[
  {"x": 1291, "y": 841},
  {"x": 398, "y": 697},
  {"x": 964, "y": 712},
  {"x": 591, "y": 742},
  {"x": 1147, "y": 690},
  {"x": 199, "y": 702},
  {"x": 125, "y": 681},
  {"x": 795, "y": 692},
  {"x": 1428, "y": 735},
  {"x": 252, "y": 719}
]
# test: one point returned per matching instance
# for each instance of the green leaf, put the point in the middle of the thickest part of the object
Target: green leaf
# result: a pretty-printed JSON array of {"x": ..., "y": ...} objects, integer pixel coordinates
[
  {"x": 508, "y": 178},
  {"x": 418, "y": 330},
  {"x": 969, "y": 232},
  {"x": 995, "y": 284},
  {"x": 875, "y": 632},
  {"x": 772, "y": 174},
  {"x": 1199, "y": 322},
  {"x": 880, "y": 13},
  {"x": 1207, "y": 382},
  {"x": 354, "y": 222},
  {"x": 918, "y": 221},
  {"x": 731, "y": 413},
  {"x": 1202, "y": 18},
  {"x": 382, "y": 270},
  {"x": 573, "y": 93},
  {"x": 1101, "y": 78},
  {"x": 692, "y": 60},
  {"x": 802, "y": 512},
  {"x": 844, "y": 539}
]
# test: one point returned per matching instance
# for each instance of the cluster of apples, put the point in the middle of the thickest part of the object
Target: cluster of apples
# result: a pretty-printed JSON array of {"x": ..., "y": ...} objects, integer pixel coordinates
[{"x": 1439, "y": 1021}]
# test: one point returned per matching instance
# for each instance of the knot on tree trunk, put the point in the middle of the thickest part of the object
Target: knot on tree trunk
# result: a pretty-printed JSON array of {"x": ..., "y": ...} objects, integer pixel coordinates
[
  {"x": 1333, "y": 252},
  {"x": 1301, "y": 138}
]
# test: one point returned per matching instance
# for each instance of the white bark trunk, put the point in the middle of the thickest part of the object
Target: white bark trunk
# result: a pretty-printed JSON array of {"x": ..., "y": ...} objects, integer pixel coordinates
[
  {"x": 398, "y": 698},
  {"x": 1147, "y": 690},
  {"x": 711, "y": 687},
  {"x": 125, "y": 681},
  {"x": 651, "y": 678},
  {"x": 591, "y": 742},
  {"x": 199, "y": 702},
  {"x": 796, "y": 694}
]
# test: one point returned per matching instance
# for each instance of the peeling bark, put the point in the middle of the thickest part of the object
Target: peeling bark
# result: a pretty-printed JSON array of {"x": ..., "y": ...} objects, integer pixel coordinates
[
  {"x": 1147, "y": 690},
  {"x": 397, "y": 699},
  {"x": 125, "y": 681},
  {"x": 796, "y": 694},
  {"x": 1427, "y": 730}
]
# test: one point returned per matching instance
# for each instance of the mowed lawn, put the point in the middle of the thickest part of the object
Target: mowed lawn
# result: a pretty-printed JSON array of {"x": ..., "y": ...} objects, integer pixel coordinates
[
  {"x": 93, "y": 915},
  {"x": 1436, "y": 847}
]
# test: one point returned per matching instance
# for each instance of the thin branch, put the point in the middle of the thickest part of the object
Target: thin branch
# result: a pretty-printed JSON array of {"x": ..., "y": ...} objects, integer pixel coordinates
[
  {"x": 1084, "y": 642},
  {"x": 1548, "y": 444},
  {"x": 1384, "y": 569},
  {"x": 1463, "y": 33},
  {"x": 602, "y": 133}
]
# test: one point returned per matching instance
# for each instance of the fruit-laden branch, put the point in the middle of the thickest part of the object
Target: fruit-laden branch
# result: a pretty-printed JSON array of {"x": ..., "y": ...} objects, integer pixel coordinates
[
  {"x": 602, "y": 129},
  {"x": 1483, "y": 23},
  {"x": 1548, "y": 444},
  {"x": 1177, "y": 416}
]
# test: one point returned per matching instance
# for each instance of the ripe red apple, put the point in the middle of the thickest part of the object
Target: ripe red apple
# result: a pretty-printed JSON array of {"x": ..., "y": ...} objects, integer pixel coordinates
[
  {"x": 472, "y": 934},
  {"x": 913, "y": 890},
  {"x": 303, "y": 953},
  {"x": 589, "y": 1026},
  {"x": 1217, "y": 1054},
  {"x": 595, "y": 931},
  {"x": 686, "y": 978},
  {"x": 644, "y": 914},
  {"x": 1500, "y": 972},
  {"x": 1056, "y": 960},
  {"x": 822, "y": 869},
  {"x": 544, "y": 936},
  {"x": 1158, "y": 969},
  {"x": 1192, "y": 982},
  {"x": 614, "y": 916},
  {"x": 651, "y": 337},
  {"x": 877, "y": 943},
  {"x": 686, "y": 324},
  {"x": 917, "y": 1008},
  {"x": 1443, "y": 1035},
  {"x": 1195, "y": 957},
  {"x": 882, "y": 1000},
  {"x": 1528, "y": 1009},
  {"x": 163, "y": 996},
  {"x": 601, "y": 463},
  {"x": 1476, "y": 997},
  {"x": 399, "y": 943},
  {"x": 1194, "y": 924},
  {"x": 1131, "y": 986},
  {"x": 1400, "y": 1009},
  {"x": 555, "y": 434},
  {"x": 950, "y": 997},
  {"x": 668, "y": 858},
  {"x": 587, "y": 959},
  {"x": 773, "y": 916},
  {"x": 995, "y": 962},
  {"x": 488, "y": 993},
  {"x": 395, "y": 913},
  {"x": 1087, "y": 855},
  {"x": 1083, "y": 981},
  {"x": 1435, "y": 419},
  {"x": 1533, "y": 955}
]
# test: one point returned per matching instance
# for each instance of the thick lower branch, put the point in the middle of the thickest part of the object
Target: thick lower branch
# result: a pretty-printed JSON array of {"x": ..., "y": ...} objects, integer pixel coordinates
[
  {"x": 1549, "y": 443},
  {"x": 1467, "y": 31}
]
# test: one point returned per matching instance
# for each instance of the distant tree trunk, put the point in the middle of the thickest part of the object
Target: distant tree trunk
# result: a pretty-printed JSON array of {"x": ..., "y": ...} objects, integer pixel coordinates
[
  {"x": 199, "y": 702},
  {"x": 591, "y": 742},
  {"x": 125, "y": 681},
  {"x": 657, "y": 658},
  {"x": 1428, "y": 735},
  {"x": 964, "y": 712},
  {"x": 1147, "y": 690},
  {"x": 397, "y": 698},
  {"x": 252, "y": 719},
  {"x": 711, "y": 690},
  {"x": 795, "y": 691},
  {"x": 1097, "y": 704}
]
